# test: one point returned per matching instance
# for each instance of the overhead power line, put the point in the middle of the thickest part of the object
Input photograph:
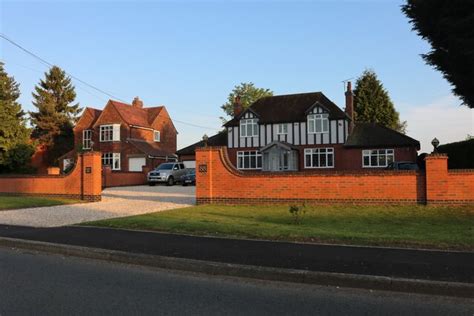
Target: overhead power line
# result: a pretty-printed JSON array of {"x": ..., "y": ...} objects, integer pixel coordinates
[
  {"x": 42, "y": 60},
  {"x": 51, "y": 65}
]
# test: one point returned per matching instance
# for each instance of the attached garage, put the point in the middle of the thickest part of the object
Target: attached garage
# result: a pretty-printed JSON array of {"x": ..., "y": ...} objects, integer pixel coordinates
[{"x": 135, "y": 164}]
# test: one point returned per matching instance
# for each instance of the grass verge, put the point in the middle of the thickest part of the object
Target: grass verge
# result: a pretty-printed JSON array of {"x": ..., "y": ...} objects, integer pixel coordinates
[
  {"x": 401, "y": 226},
  {"x": 16, "y": 202}
]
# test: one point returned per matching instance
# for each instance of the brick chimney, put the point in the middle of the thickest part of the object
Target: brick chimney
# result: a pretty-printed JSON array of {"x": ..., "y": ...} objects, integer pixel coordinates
[
  {"x": 137, "y": 103},
  {"x": 237, "y": 106},
  {"x": 350, "y": 105}
]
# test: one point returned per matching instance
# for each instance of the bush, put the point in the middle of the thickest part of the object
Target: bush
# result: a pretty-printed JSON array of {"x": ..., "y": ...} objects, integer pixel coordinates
[
  {"x": 18, "y": 159},
  {"x": 297, "y": 212},
  {"x": 460, "y": 154}
]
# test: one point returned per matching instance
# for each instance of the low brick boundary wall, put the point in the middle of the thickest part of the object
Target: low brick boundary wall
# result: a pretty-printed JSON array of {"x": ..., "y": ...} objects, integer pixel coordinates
[
  {"x": 83, "y": 182},
  {"x": 219, "y": 182},
  {"x": 123, "y": 178}
]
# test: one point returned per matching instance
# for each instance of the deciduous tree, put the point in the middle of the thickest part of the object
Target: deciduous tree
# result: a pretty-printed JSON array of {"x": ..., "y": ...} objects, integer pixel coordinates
[{"x": 248, "y": 94}]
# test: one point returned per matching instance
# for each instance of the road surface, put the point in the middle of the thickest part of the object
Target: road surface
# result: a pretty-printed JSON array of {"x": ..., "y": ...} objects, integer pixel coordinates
[{"x": 45, "y": 284}]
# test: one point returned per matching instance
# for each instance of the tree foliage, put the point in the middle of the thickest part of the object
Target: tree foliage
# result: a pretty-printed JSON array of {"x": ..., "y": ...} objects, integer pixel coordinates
[
  {"x": 248, "y": 94},
  {"x": 56, "y": 113},
  {"x": 372, "y": 103},
  {"x": 13, "y": 131},
  {"x": 447, "y": 25}
]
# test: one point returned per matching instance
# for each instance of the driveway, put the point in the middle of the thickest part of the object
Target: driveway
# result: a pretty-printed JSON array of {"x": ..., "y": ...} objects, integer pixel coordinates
[{"x": 116, "y": 202}]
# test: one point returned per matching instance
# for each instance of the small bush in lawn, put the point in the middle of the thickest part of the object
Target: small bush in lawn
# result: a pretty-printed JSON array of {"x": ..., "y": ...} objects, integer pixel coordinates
[{"x": 297, "y": 212}]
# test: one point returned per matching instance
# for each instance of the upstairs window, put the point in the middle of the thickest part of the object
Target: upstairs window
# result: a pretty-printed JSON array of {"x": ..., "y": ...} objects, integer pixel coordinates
[
  {"x": 86, "y": 139},
  {"x": 110, "y": 133},
  {"x": 377, "y": 157},
  {"x": 282, "y": 129},
  {"x": 248, "y": 128},
  {"x": 318, "y": 123},
  {"x": 156, "y": 136}
]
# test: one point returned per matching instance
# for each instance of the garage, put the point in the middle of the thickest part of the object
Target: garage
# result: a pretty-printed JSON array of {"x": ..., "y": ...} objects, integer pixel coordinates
[
  {"x": 190, "y": 164},
  {"x": 135, "y": 164}
]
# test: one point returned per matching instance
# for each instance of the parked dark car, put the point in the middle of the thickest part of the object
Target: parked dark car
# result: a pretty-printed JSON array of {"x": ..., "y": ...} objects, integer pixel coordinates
[
  {"x": 189, "y": 177},
  {"x": 403, "y": 165}
]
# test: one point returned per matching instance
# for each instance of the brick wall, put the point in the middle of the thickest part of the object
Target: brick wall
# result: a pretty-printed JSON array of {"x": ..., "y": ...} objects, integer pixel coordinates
[
  {"x": 117, "y": 179},
  {"x": 83, "y": 182},
  {"x": 219, "y": 182}
]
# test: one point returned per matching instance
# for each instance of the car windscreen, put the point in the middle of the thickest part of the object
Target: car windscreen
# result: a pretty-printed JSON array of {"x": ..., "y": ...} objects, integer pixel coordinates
[{"x": 165, "y": 166}]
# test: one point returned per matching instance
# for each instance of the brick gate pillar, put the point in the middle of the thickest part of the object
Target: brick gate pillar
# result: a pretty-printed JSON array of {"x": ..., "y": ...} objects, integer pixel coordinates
[
  {"x": 91, "y": 185},
  {"x": 437, "y": 181}
]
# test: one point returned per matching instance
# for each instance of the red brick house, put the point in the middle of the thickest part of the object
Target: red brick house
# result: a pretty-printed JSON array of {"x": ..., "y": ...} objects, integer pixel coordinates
[
  {"x": 308, "y": 131},
  {"x": 128, "y": 135}
]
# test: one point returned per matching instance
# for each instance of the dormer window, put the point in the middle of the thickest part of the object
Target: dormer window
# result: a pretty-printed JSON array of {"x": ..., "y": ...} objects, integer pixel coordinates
[
  {"x": 318, "y": 123},
  {"x": 248, "y": 128},
  {"x": 282, "y": 129},
  {"x": 156, "y": 136}
]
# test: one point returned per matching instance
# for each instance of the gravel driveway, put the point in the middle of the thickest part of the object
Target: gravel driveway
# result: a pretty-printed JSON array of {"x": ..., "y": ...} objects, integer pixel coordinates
[{"x": 116, "y": 202}]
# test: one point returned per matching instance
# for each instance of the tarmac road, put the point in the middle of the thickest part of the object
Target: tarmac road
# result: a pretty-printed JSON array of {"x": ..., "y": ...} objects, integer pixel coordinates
[{"x": 44, "y": 284}]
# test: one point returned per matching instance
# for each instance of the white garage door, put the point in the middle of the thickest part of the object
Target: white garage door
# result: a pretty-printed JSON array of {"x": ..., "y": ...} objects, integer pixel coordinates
[
  {"x": 190, "y": 164},
  {"x": 135, "y": 164}
]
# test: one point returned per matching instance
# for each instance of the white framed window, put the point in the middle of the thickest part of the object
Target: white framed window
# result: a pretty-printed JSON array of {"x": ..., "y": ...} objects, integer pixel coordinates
[
  {"x": 110, "y": 133},
  {"x": 282, "y": 129},
  {"x": 318, "y": 123},
  {"x": 156, "y": 136},
  {"x": 319, "y": 158},
  {"x": 86, "y": 139},
  {"x": 112, "y": 160},
  {"x": 377, "y": 157},
  {"x": 248, "y": 128},
  {"x": 249, "y": 160}
]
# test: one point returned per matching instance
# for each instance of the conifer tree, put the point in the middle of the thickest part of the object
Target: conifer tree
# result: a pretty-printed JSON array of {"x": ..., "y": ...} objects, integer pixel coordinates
[
  {"x": 14, "y": 135},
  {"x": 56, "y": 113},
  {"x": 372, "y": 103}
]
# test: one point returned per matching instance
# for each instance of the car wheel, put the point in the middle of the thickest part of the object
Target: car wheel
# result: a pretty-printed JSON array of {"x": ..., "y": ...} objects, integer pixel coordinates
[
  {"x": 184, "y": 184},
  {"x": 170, "y": 181}
]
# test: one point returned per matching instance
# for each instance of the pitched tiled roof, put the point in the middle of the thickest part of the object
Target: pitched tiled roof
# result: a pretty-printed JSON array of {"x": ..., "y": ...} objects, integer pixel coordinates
[
  {"x": 375, "y": 135},
  {"x": 150, "y": 148},
  {"x": 219, "y": 139},
  {"x": 291, "y": 108},
  {"x": 137, "y": 116}
]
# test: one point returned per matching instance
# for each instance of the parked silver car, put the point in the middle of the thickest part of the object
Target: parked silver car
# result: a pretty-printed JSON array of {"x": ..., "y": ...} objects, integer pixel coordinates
[{"x": 168, "y": 172}]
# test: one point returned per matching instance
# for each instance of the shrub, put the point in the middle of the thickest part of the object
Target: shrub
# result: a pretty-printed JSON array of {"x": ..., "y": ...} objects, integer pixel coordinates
[{"x": 460, "y": 154}]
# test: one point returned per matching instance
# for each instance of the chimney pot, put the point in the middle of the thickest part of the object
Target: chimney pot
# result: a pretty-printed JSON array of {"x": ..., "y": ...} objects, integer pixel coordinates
[
  {"x": 137, "y": 103},
  {"x": 237, "y": 106}
]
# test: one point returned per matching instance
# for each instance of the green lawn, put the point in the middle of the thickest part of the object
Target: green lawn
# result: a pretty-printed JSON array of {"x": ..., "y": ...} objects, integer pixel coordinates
[
  {"x": 14, "y": 202},
  {"x": 405, "y": 226}
]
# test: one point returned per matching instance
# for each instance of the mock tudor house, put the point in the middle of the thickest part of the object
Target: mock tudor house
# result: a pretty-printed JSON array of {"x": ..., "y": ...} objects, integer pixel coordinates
[
  {"x": 129, "y": 136},
  {"x": 307, "y": 131}
]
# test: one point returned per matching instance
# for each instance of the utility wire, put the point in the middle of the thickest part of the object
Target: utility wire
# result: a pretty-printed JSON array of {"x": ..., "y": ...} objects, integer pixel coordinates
[
  {"x": 51, "y": 65},
  {"x": 82, "y": 81}
]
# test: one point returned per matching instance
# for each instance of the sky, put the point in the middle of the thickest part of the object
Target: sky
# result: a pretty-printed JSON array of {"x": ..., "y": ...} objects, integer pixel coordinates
[{"x": 188, "y": 56}]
